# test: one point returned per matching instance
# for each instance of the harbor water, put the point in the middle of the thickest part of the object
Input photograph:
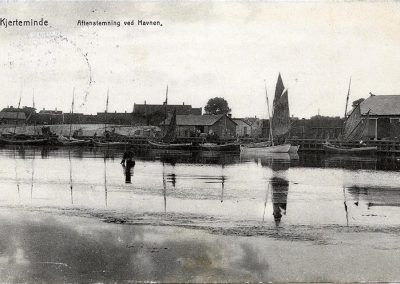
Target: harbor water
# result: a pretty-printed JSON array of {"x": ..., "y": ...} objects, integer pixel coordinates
[{"x": 70, "y": 214}]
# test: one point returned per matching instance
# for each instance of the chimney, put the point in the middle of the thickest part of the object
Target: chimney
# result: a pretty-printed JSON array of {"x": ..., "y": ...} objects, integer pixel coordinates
[
  {"x": 183, "y": 103},
  {"x": 229, "y": 115}
]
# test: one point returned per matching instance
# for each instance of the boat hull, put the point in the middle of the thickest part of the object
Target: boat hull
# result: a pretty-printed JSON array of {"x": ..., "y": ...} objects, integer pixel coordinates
[
  {"x": 6, "y": 141},
  {"x": 171, "y": 146},
  {"x": 332, "y": 149},
  {"x": 72, "y": 142},
  {"x": 109, "y": 144},
  {"x": 284, "y": 148}
]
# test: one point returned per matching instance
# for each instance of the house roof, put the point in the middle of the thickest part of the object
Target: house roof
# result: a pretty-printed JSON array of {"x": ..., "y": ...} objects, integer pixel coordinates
[
  {"x": 197, "y": 120},
  {"x": 12, "y": 115},
  {"x": 381, "y": 105},
  {"x": 180, "y": 109},
  {"x": 240, "y": 120}
]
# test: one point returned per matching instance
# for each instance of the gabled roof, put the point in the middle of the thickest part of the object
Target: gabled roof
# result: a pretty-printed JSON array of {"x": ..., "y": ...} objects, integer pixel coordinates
[
  {"x": 12, "y": 115},
  {"x": 381, "y": 105},
  {"x": 197, "y": 120},
  {"x": 240, "y": 120}
]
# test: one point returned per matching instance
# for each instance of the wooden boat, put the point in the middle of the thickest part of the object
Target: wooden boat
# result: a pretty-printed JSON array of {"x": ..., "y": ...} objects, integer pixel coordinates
[
  {"x": 279, "y": 126},
  {"x": 110, "y": 144},
  {"x": 353, "y": 131},
  {"x": 220, "y": 147},
  {"x": 284, "y": 148},
  {"x": 171, "y": 146},
  {"x": 168, "y": 140},
  {"x": 11, "y": 141},
  {"x": 257, "y": 144},
  {"x": 72, "y": 141},
  {"x": 333, "y": 149}
]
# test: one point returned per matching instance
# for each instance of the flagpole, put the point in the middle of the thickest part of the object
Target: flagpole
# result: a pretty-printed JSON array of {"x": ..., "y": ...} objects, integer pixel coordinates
[{"x": 269, "y": 116}]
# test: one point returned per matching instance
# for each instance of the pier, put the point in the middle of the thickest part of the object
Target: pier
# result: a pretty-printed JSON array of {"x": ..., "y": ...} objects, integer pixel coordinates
[{"x": 385, "y": 147}]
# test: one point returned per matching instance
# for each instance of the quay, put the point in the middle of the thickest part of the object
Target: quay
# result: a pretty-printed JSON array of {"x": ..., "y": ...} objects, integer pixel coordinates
[{"x": 385, "y": 147}]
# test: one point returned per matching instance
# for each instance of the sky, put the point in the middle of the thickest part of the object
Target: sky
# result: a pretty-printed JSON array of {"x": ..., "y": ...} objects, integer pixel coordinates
[{"x": 202, "y": 50}]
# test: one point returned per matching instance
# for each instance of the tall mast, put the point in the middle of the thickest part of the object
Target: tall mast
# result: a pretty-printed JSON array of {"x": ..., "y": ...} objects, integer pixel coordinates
[
  {"x": 269, "y": 116},
  {"x": 166, "y": 103},
  {"x": 105, "y": 116},
  {"x": 347, "y": 100},
  {"x": 72, "y": 112},
  {"x": 16, "y": 121}
]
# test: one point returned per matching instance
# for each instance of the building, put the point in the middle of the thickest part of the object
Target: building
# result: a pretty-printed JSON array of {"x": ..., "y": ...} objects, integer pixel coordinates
[
  {"x": 12, "y": 118},
  {"x": 149, "y": 109},
  {"x": 256, "y": 126},
  {"x": 155, "y": 114},
  {"x": 384, "y": 116},
  {"x": 220, "y": 126},
  {"x": 243, "y": 128}
]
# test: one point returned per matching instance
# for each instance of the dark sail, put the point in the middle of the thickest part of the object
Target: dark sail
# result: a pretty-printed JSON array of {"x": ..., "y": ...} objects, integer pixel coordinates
[
  {"x": 279, "y": 88},
  {"x": 355, "y": 125},
  {"x": 281, "y": 115},
  {"x": 170, "y": 134}
]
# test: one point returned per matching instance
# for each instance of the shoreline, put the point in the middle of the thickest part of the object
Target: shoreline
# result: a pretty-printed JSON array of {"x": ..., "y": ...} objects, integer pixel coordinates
[{"x": 39, "y": 247}]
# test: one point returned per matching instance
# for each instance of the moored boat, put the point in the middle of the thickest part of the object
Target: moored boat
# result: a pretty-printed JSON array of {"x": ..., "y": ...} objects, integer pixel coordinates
[
  {"x": 109, "y": 144},
  {"x": 353, "y": 131},
  {"x": 72, "y": 141},
  {"x": 171, "y": 146},
  {"x": 333, "y": 149},
  {"x": 279, "y": 127},
  {"x": 11, "y": 141},
  {"x": 284, "y": 148}
]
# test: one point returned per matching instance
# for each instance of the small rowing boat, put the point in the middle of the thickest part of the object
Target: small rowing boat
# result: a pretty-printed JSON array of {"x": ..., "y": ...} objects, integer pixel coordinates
[
  {"x": 8, "y": 141},
  {"x": 72, "y": 141},
  {"x": 284, "y": 148},
  {"x": 171, "y": 146},
  {"x": 109, "y": 144},
  {"x": 333, "y": 149}
]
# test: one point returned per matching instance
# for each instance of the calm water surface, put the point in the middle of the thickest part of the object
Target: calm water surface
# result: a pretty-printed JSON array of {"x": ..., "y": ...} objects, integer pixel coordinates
[{"x": 316, "y": 201}]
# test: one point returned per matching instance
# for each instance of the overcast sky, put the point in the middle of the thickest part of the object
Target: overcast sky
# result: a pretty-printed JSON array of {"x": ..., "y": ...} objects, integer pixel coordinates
[{"x": 203, "y": 50}]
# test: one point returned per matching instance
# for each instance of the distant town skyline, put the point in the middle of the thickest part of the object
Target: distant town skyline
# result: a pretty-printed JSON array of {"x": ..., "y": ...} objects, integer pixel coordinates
[{"x": 202, "y": 50}]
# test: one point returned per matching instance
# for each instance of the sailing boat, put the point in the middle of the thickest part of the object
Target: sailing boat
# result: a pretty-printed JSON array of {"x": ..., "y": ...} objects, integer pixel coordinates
[
  {"x": 20, "y": 139},
  {"x": 70, "y": 141},
  {"x": 279, "y": 124},
  {"x": 106, "y": 143},
  {"x": 353, "y": 131},
  {"x": 166, "y": 142}
]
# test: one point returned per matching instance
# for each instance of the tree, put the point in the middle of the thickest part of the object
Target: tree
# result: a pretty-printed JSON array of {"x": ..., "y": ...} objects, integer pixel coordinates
[{"x": 217, "y": 106}]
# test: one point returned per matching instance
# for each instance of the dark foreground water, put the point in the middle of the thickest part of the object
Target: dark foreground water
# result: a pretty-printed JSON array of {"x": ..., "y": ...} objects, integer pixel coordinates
[{"x": 77, "y": 214}]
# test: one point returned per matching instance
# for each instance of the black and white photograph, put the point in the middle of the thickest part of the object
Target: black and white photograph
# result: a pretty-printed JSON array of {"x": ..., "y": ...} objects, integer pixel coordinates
[{"x": 199, "y": 141}]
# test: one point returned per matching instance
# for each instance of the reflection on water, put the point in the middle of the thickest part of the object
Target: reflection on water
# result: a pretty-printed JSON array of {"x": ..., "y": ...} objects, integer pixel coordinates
[
  {"x": 195, "y": 187},
  {"x": 301, "y": 204},
  {"x": 280, "y": 190}
]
